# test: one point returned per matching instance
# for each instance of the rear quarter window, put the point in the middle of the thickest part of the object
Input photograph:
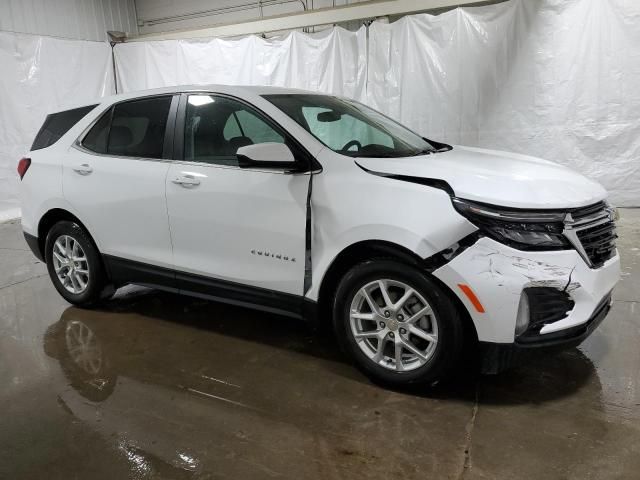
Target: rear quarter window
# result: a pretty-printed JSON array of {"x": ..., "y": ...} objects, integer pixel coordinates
[{"x": 57, "y": 124}]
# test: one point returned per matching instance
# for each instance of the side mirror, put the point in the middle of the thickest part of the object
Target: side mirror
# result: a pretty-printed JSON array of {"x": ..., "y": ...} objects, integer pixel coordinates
[{"x": 265, "y": 155}]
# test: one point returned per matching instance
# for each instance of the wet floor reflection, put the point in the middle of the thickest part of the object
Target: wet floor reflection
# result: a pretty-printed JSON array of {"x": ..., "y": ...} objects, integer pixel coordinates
[
  {"x": 155, "y": 385},
  {"x": 200, "y": 387}
]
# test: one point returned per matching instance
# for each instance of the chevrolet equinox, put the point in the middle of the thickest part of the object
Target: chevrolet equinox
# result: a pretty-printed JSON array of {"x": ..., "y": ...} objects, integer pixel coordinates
[{"x": 318, "y": 207}]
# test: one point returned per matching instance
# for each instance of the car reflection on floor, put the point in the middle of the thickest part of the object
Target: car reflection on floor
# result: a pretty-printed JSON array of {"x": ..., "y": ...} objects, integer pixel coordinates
[
  {"x": 170, "y": 398},
  {"x": 183, "y": 387}
]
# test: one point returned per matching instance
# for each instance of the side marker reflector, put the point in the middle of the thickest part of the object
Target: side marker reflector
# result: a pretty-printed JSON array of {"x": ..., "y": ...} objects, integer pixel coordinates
[{"x": 466, "y": 289}]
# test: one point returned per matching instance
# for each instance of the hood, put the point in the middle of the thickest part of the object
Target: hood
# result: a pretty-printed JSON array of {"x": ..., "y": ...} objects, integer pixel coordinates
[{"x": 498, "y": 178}]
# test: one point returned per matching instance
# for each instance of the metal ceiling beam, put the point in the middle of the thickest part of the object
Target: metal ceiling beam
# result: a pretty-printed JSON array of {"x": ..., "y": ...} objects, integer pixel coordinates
[{"x": 309, "y": 18}]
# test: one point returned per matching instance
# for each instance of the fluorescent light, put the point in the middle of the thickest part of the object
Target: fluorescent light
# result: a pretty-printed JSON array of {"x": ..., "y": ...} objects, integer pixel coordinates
[{"x": 199, "y": 100}]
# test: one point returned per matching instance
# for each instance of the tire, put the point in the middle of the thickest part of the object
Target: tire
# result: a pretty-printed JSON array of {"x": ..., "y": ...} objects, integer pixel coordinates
[
  {"x": 91, "y": 285},
  {"x": 442, "y": 325}
]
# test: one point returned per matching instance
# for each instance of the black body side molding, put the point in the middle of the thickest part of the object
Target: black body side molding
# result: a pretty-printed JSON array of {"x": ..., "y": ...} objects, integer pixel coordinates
[{"x": 122, "y": 271}]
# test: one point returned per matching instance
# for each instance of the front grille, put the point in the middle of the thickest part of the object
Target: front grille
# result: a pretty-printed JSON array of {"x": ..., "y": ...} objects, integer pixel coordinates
[
  {"x": 599, "y": 243},
  {"x": 582, "y": 212},
  {"x": 595, "y": 233}
]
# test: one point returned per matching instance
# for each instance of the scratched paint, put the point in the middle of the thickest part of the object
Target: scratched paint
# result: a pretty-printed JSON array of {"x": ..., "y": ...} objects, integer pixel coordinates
[{"x": 516, "y": 272}]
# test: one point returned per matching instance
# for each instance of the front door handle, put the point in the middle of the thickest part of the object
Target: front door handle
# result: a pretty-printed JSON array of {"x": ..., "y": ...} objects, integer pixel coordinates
[
  {"x": 186, "y": 181},
  {"x": 84, "y": 169}
]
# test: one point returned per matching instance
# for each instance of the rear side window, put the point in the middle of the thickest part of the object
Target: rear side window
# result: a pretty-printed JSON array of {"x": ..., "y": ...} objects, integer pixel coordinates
[
  {"x": 131, "y": 129},
  {"x": 57, "y": 124},
  {"x": 96, "y": 139}
]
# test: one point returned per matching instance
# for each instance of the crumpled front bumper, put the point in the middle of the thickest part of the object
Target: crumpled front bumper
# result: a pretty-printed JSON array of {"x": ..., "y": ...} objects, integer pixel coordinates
[
  {"x": 497, "y": 357},
  {"x": 497, "y": 275}
]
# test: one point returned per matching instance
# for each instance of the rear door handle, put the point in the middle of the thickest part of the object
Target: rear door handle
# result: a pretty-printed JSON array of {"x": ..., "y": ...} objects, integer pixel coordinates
[
  {"x": 186, "y": 181},
  {"x": 84, "y": 169}
]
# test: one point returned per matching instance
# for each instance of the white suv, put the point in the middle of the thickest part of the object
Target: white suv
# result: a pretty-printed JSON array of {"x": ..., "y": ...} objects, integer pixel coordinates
[{"x": 318, "y": 207}]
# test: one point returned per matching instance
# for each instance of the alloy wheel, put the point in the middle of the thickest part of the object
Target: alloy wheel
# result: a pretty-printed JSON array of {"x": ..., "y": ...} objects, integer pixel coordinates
[
  {"x": 393, "y": 325},
  {"x": 70, "y": 264}
]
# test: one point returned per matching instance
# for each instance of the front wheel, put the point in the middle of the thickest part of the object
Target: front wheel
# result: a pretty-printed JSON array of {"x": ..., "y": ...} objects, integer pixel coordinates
[
  {"x": 397, "y": 324},
  {"x": 74, "y": 264}
]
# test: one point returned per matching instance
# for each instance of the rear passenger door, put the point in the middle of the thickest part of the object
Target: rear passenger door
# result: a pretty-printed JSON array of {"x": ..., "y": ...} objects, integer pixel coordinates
[{"x": 114, "y": 178}]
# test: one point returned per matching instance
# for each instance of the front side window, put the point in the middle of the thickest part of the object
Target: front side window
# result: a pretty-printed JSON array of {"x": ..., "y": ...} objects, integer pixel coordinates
[
  {"x": 216, "y": 127},
  {"x": 131, "y": 129},
  {"x": 350, "y": 128}
]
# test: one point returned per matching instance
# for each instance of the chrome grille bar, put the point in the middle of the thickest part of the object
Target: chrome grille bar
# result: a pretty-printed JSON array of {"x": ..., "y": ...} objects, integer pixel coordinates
[{"x": 595, "y": 245}]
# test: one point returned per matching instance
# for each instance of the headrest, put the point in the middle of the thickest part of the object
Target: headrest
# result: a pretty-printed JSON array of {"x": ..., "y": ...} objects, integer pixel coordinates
[
  {"x": 120, "y": 136},
  {"x": 236, "y": 142}
]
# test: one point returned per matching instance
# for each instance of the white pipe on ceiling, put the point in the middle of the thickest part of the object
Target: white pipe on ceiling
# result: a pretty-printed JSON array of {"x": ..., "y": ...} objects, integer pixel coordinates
[{"x": 309, "y": 18}]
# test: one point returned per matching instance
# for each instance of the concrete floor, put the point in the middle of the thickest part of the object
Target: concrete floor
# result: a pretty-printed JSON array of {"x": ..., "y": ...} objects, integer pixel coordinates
[{"x": 173, "y": 387}]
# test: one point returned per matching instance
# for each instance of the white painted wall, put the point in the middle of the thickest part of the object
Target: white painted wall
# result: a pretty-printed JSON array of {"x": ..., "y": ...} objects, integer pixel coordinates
[{"x": 75, "y": 19}]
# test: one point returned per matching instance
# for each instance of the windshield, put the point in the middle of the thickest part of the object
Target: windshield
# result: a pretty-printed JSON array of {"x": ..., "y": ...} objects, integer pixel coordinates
[{"x": 350, "y": 128}]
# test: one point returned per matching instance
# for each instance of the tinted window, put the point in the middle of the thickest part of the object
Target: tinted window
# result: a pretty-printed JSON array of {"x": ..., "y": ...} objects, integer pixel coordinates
[
  {"x": 57, "y": 124},
  {"x": 217, "y": 126},
  {"x": 96, "y": 138},
  {"x": 137, "y": 128}
]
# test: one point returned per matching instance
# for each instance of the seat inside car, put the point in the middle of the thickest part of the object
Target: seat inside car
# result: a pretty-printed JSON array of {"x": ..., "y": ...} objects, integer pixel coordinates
[
  {"x": 208, "y": 138},
  {"x": 120, "y": 138},
  {"x": 236, "y": 142}
]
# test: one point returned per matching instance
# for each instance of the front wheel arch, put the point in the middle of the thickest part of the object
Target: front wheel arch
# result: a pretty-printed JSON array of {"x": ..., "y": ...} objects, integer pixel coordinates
[{"x": 379, "y": 249}]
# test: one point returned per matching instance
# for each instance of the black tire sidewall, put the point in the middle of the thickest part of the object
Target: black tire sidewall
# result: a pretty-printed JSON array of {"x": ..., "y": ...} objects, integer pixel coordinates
[
  {"x": 450, "y": 331},
  {"x": 96, "y": 270}
]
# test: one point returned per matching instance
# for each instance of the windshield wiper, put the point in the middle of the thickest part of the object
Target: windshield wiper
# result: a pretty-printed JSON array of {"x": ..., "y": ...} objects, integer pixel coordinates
[
  {"x": 377, "y": 155},
  {"x": 424, "y": 151},
  {"x": 438, "y": 147}
]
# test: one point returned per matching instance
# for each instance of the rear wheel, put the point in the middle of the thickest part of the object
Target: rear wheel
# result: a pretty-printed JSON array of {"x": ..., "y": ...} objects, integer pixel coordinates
[
  {"x": 397, "y": 323},
  {"x": 74, "y": 264}
]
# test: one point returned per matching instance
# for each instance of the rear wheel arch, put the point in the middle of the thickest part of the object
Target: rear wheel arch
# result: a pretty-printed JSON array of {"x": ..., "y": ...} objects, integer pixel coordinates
[{"x": 52, "y": 217}]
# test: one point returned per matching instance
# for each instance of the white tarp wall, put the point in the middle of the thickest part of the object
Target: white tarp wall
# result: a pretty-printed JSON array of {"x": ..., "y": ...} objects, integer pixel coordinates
[
  {"x": 39, "y": 75},
  {"x": 559, "y": 80},
  {"x": 329, "y": 61}
]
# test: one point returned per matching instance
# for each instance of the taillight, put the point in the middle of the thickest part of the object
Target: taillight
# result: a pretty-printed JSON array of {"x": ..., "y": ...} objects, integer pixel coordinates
[{"x": 23, "y": 166}]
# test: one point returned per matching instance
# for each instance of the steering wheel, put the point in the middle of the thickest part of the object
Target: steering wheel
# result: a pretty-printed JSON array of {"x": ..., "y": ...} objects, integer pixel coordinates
[{"x": 350, "y": 144}]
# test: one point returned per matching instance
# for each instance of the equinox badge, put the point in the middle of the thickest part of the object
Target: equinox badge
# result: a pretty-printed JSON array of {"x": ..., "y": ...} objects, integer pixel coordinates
[{"x": 277, "y": 256}]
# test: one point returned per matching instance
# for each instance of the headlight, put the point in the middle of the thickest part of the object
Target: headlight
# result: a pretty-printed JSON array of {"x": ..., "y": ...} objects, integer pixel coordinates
[
  {"x": 615, "y": 213},
  {"x": 521, "y": 229}
]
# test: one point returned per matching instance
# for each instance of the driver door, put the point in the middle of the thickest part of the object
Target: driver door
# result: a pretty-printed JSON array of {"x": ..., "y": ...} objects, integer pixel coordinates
[{"x": 237, "y": 233}]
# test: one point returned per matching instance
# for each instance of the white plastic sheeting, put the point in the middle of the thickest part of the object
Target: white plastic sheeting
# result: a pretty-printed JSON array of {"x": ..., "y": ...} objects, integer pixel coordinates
[
  {"x": 554, "y": 79},
  {"x": 40, "y": 75},
  {"x": 329, "y": 61}
]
